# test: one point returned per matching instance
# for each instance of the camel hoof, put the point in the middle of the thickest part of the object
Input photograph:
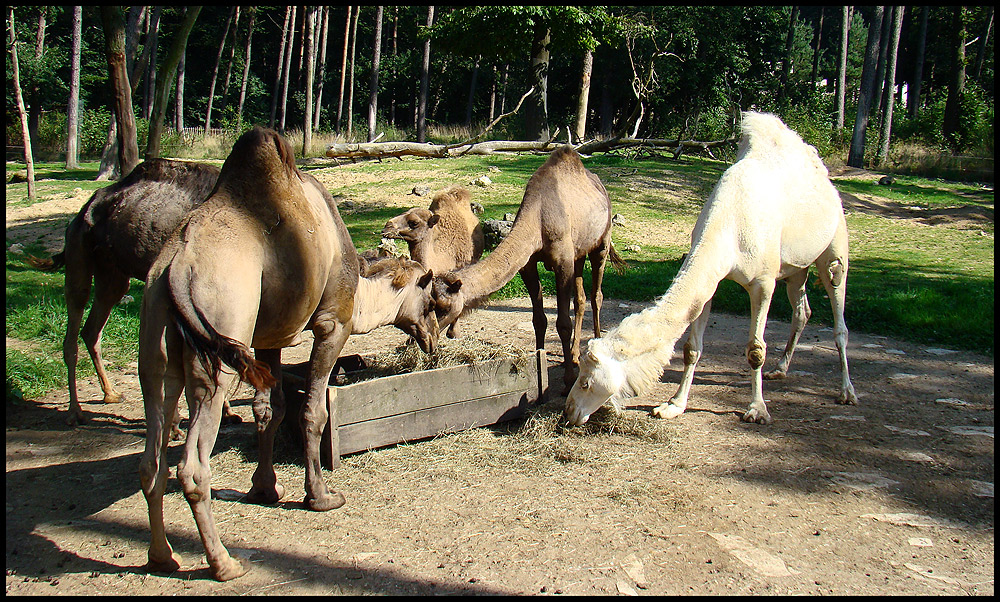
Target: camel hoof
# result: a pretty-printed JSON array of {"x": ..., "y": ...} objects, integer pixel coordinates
[
  {"x": 176, "y": 434},
  {"x": 667, "y": 411},
  {"x": 266, "y": 496},
  {"x": 231, "y": 569},
  {"x": 76, "y": 418},
  {"x": 329, "y": 501},
  {"x": 774, "y": 375},
  {"x": 169, "y": 565},
  {"x": 758, "y": 416},
  {"x": 848, "y": 399},
  {"x": 113, "y": 397}
]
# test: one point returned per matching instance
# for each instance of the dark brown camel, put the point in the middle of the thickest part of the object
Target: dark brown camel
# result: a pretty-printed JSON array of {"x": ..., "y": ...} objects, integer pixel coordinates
[
  {"x": 564, "y": 218},
  {"x": 116, "y": 236},
  {"x": 265, "y": 256}
]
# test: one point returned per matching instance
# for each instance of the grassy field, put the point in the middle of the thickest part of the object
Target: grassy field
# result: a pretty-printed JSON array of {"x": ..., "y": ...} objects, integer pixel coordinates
[{"x": 910, "y": 277}]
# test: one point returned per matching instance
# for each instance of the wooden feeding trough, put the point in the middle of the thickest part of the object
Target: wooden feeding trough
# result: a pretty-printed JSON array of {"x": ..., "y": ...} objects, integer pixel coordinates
[{"x": 416, "y": 405}]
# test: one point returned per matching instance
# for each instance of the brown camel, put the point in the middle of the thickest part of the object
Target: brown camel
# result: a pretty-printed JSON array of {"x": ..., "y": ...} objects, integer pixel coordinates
[
  {"x": 443, "y": 238},
  {"x": 564, "y": 218},
  {"x": 265, "y": 256},
  {"x": 116, "y": 236}
]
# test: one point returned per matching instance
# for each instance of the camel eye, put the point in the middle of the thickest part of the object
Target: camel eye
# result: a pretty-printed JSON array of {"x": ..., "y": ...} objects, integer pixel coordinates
[{"x": 585, "y": 385}]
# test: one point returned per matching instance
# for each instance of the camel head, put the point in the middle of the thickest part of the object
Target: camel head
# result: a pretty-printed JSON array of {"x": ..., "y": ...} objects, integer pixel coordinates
[
  {"x": 449, "y": 299},
  {"x": 412, "y": 283},
  {"x": 413, "y": 226},
  {"x": 601, "y": 379}
]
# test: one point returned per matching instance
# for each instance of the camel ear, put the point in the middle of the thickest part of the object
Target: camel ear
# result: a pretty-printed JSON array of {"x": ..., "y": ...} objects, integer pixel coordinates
[
  {"x": 426, "y": 279},
  {"x": 591, "y": 356},
  {"x": 454, "y": 286},
  {"x": 433, "y": 220}
]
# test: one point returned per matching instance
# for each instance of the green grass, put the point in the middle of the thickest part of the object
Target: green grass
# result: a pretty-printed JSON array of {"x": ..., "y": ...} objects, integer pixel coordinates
[{"x": 921, "y": 283}]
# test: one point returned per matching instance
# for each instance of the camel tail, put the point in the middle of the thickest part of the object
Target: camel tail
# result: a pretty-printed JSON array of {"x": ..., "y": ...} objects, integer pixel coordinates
[
  {"x": 47, "y": 265},
  {"x": 213, "y": 348},
  {"x": 620, "y": 265}
]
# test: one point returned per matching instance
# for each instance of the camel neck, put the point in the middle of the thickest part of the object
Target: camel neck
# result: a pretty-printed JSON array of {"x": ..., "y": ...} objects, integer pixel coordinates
[
  {"x": 487, "y": 276},
  {"x": 376, "y": 303}
]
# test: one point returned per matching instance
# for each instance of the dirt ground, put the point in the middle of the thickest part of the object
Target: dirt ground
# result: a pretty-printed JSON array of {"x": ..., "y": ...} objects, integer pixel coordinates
[{"x": 892, "y": 496}]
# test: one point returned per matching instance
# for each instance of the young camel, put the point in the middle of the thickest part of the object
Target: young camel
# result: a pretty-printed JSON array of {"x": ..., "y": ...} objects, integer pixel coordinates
[
  {"x": 771, "y": 215},
  {"x": 564, "y": 218},
  {"x": 443, "y": 238},
  {"x": 116, "y": 236},
  {"x": 265, "y": 256}
]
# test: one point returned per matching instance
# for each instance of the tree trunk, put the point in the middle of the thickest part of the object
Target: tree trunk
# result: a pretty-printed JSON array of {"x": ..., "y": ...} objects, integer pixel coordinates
[
  {"x": 856, "y": 155},
  {"x": 376, "y": 58},
  {"x": 493, "y": 92},
  {"x": 281, "y": 63},
  {"x": 229, "y": 63},
  {"x": 537, "y": 116},
  {"x": 288, "y": 70},
  {"x": 913, "y": 99},
  {"x": 350, "y": 76},
  {"x": 323, "y": 39},
  {"x": 890, "y": 85},
  {"x": 179, "y": 100},
  {"x": 246, "y": 69},
  {"x": 953, "y": 106},
  {"x": 34, "y": 105},
  {"x": 165, "y": 77},
  {"x": 343, "y": 69},
  {"x": 580, "y": 131},
  {"x": 73, "y": 105},
  {"x": 845, "y": 30},
  {"x": 153, "y": 42},
  {"x": 883, "y": 49},
  {"x": 309, "y": 28},
  {"x": 472, "y": 94},
  {"x": 819, "y": 39},
  {"x": 786, "y": 64},
  {"x": 984, "y": 38},
  {"x": 392, "y": 73},
  {"x": 20, "y": 108},
  {"x": 425, "y": 69},
  {"x": 121, "y": 92},
  {"x": 215, "y": 70}
]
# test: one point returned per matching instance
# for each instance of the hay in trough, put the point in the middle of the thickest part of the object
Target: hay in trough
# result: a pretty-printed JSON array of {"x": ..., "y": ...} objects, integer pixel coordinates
[{"x": 450, "y": 352}]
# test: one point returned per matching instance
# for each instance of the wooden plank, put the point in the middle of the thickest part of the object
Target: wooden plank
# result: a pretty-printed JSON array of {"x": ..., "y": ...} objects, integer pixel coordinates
[
  {"x": 429, "y": 422},
  {"x": 404, "y": 393}
]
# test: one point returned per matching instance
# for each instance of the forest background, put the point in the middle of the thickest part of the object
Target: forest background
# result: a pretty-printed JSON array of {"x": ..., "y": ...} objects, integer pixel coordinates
[{"x": 851, "y": 80}]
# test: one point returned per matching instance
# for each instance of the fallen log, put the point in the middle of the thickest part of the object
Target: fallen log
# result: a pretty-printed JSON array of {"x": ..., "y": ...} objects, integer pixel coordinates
[{"x": 383, "y": 150}]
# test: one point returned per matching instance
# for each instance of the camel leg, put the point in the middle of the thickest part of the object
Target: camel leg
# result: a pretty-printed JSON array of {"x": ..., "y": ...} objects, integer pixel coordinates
[
  {"x": 692, "y": 353},
  {"x": 79, "y": 272},
  {"x": 579, "y": 303},
  {"x": 110, "y": 285},
  {"x": 330, "y": 336},
  {"x": 760, "y": 291},
  {"x": 161, "y": 385},
  {"x": 193, "y": 471},
  {"x": 529, "y": 275},
  {"x": 796, "y": 288},
  {"x": 565, "y": 287},
  {"x": 597, "y": 262},
  {"x": 833, "y": 275},
  {"x": 268, "y": 412}
]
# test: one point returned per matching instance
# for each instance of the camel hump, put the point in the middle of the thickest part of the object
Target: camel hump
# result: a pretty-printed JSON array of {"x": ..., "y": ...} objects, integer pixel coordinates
[
  {"x": 256, "y": 139},
  {"x": 766, "y": 136},
  {"x": 453, "y": 195},
  {"x": 565, "y": 155}
]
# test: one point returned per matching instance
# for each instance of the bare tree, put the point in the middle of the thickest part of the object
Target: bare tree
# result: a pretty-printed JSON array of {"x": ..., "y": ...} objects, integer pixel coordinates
[
  {"x": 288, "y": 69},
  {"x": 229, "y": 63},
  {"x": 73, "y": 105},
  {"x": 392, "y": 88},
  {"x": 424, "y": 80},
  {"x": 470, "y": 104},
  {"x": 215, "y": 70},
  {"x": 376, "y": 56},
  {"x": 179, "y": 99},
  {"x": 984, "y": 38},
  {"x": 845, "y": 29},
  {"x": 246, "y": 67},
  {"x": 165, "y": 77},
  {"x": 322, "y": 67},
  {"x": 113, "y": 18},
  {"x": 890, "y": 85},
  {"x": 883, "y": 50},
  {"x": 20, "y": 106},
  {"x": 819, "y": 40},
  {"x": 856, "y": 155},
  {"x": 913, "y": 98},
  {"x": 953, "y": 106},
  {"x": 34, "y": 92},
  {"x": 350, "y": 83},
  {"x": 309, "y": 41},
  {"x": 343, "y": 69},
  {"x": 281, "y": 63},
  {"x": 580, "y": 130}
]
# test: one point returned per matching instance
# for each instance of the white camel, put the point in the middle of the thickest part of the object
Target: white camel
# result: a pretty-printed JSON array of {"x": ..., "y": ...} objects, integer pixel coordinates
[{"x": 771, "y": 215}]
